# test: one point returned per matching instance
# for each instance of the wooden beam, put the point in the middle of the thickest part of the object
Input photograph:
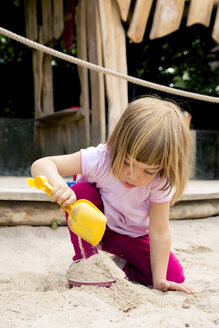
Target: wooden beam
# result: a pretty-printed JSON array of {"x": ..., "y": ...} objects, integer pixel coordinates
[
  {"x": 215, "y": 32},
  {"x": 30, "y": 213},
  {"x": 82, "y": 53},
  {"x": 37, "y": 64},
  {"x": 139, "y": 20},
  {"x": 58, "y": 18},
  {"x": 66, "y": 114},
  {"x": 215, "y": 1},
  {"x": 37, "y": 61},
  {"x": 200, "y": 12},
  {"x": 124, "y": 8},
  {"x": 114, "y": 51},
  {"x": 167, "y": 17},
  {"x": 121, "y": 57},
  {"x": 44, "y": 213},
  {"x": 47, "y": 20},
  {"x": 30, "y": 10},
  {"x": 47, "y": 91},
  {"x": 98, "y": 116}
]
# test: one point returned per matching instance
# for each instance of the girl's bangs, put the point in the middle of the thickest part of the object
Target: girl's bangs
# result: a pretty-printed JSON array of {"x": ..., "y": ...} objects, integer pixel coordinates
[{"x": 151, "y": 152}]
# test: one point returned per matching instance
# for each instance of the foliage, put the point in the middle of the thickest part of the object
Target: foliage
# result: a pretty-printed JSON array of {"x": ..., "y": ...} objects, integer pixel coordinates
[
  {"x": 9, "y": 51},
  {"x": 181, "y": 60}
]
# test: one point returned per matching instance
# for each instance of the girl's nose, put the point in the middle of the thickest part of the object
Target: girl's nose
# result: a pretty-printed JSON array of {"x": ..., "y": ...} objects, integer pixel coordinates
[{"x": 133, "y": 175}]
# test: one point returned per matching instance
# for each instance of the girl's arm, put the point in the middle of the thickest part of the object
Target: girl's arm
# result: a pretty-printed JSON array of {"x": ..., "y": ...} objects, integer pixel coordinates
[
  {"x": 160, "y": 244},
  {"x": 54, "y": 168}
]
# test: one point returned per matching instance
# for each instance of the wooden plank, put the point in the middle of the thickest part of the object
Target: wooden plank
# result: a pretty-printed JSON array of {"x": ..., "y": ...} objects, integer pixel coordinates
[
  {"x": 81, "y": 22},
  {"x": 76, "y": 114},
  {"x": 215, "y": 32},
  {"x": 139, "y": 20},
  {"x": 37, "y": 60},
  {"x": 58, "y": 138},
  {"x": 167, "y": 17},
  {"x": 200, "y": 12},
  {"x": 42, "y": 213},
  {"x": 194, "y": 209},
  {"x": 47, "y": 20},
  {"x": 216, "y": 2},
  {"x": 47, "y": 91},
  {"x": 30, "y": 213},
  {"x": 121, "y": 56},
  {"x": 98, "y": 116},
  {"x": 78, "y": 135},
  {"x": 30, "y": 10},
  {"x": 111, "y": 41},
  {"x": 124, "y": 8},
  {"x": 58, "y": 18},
  {"x": 37, "y": 63}
]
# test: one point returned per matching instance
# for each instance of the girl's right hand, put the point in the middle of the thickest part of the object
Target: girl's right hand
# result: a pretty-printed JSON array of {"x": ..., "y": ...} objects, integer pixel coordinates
[{"x": 62, "y": 194}]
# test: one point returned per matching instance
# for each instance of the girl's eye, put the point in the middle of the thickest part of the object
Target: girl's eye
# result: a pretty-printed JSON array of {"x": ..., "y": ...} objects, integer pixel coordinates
[
  {"x": 126, "y": 163},
  {"x": 149, "y": 173}
]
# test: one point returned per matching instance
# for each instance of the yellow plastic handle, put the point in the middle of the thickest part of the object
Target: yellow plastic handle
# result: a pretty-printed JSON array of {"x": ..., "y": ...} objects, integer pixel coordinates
[{"x": 41, "y": 182}]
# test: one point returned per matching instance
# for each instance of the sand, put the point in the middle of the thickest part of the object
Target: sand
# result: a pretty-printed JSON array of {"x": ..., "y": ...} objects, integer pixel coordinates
[
  {"x": 34, "y": 291},
  {"x": 98, "y": 268}
]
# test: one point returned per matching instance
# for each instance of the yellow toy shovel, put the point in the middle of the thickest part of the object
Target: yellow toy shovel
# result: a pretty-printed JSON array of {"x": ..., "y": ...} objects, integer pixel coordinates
[{"x": 85, "y": 219}]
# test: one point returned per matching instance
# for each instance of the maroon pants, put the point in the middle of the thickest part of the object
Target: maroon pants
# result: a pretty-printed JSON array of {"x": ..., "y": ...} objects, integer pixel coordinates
[{"x": 136, "y": 251}]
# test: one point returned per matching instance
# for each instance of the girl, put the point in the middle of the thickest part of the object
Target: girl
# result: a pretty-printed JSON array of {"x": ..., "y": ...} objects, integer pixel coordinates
[{"x": 133, "y": 179}]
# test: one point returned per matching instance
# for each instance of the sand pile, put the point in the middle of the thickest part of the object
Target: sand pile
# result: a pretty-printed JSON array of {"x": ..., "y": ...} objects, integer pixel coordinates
[
  {"x": 123, "y": 294},
  {"x": 101, "y": 267},
  {"x": 97, "y": 268}
]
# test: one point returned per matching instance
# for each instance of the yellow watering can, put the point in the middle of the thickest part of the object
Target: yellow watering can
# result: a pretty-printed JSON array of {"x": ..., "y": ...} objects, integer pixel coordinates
[{"x": 85, "y": 219}]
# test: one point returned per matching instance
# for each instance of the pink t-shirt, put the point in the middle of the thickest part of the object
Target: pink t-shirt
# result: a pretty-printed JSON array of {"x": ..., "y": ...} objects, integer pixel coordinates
[{"x": 127, "y": 210}]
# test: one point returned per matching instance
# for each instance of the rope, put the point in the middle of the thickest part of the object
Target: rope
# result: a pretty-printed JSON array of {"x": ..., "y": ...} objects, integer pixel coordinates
[{"x": 104, "y": 70}]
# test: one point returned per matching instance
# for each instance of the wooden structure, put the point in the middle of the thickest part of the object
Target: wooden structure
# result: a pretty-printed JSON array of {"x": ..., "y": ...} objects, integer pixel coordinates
[
  {"x": 101, "y": 40},
  {"x": 20, "y": 205}
]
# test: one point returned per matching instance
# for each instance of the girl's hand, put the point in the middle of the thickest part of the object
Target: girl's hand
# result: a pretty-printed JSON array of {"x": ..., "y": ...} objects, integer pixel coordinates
[
  {"x": 166, "y": 285},
  {"x": 62, "y": 194}
]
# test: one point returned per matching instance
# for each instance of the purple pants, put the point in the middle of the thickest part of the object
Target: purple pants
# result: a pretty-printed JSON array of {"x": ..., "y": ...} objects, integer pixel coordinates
[{"x": 136, "y": 251}]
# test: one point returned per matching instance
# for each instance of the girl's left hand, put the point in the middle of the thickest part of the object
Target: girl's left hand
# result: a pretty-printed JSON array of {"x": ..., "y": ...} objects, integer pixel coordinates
[{"x": 166, "y": 285}]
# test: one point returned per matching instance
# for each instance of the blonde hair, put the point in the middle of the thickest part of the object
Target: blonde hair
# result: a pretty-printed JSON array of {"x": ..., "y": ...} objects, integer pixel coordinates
[{"x": 153, "y": 131}]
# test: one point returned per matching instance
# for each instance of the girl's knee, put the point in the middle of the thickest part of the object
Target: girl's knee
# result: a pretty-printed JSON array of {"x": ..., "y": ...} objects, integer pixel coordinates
[
  {"x": 175, "y": 270},
  {"x": 85, "y": 190}
]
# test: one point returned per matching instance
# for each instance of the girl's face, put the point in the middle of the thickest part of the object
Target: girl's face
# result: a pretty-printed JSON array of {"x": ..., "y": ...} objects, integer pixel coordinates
[{"x": 140, "y": 175}]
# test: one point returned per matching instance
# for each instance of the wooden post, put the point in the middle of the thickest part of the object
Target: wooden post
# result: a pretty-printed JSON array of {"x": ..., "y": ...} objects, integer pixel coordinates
[
  {"x": 37, "y": 63},
  {"x": 121, "y": 57},
  {"x": 139, "y": 20},
  {"x": 47, "y": 20},
  {"x": 114, "y": 51},
  {"x": 30, "y": 10},
  {"x": 167, "y": 17},
  {"x": 81, "y": 21},
  {"x": 98, "y": 116},
  {"x": 58, "y": 18},
  {"x": 34, "y": 33},
  {"x": 47, "y": 91},
  {"x": 200, "y": 12}
]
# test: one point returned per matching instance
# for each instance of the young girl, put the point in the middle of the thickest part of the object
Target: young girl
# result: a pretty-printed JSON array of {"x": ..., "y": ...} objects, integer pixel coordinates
[{"x": 133, "y": 179}]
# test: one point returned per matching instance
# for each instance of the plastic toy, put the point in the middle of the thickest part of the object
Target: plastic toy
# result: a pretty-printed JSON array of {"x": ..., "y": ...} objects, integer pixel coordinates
[
  {"x": 85, "y": 219},
  {"x": 99, "y": 284}
]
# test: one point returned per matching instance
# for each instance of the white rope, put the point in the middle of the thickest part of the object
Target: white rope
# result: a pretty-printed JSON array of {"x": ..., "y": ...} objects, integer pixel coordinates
[{"x": 104, "y": 70}]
